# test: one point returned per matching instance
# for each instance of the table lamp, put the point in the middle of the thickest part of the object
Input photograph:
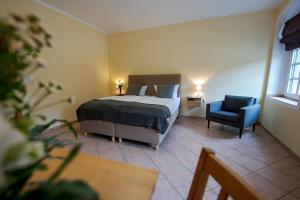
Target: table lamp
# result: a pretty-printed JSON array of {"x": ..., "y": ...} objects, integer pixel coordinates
[{"x": 119, "y": 86}]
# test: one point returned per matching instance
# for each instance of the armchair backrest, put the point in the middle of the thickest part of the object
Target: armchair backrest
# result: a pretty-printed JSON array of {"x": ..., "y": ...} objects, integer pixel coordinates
[{"x": 234, "y": 103}]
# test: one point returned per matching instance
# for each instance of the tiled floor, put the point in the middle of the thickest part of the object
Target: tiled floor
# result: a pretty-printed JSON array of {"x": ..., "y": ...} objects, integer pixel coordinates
[{"x": 257, "y": 157}]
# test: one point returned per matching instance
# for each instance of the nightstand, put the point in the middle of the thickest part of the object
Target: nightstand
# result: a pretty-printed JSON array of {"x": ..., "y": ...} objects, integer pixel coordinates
[{"x": 194, "y": 101}]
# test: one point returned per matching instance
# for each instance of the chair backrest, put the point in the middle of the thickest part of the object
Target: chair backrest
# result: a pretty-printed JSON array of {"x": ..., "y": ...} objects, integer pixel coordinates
[
  {"x": 232, "y": 184},
  {"x": 234, "y": 103}
]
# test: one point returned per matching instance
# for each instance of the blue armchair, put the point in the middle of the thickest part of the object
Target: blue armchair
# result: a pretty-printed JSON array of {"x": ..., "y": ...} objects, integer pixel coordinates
[{"x": 237, "y": 111}]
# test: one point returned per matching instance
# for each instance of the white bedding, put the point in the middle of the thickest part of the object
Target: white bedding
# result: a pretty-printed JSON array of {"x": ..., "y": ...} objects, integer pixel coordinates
[{"x": 172, "y": 104}]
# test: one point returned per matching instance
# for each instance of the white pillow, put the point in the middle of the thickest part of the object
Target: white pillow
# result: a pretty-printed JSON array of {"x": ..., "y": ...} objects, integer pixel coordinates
[
  {"x": 176, "y": 87},
  {"x": 143, "y": 90}
]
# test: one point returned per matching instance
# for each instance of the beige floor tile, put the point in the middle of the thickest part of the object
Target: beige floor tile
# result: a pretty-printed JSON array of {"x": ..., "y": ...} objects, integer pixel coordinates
[
  {"x": 217, "y": 190},
  {"x": 110, "y": 150},
  {"x": 267, "y": 158},
  {"x": 235, "y": 167},
  {"x": 90, "y": 148},
  {"x": 92, "y": 137},
  {"x": 225, "y": 150},
  {"x": 296, "y": 192},
  {"x": 256, "y": 141},
  {"x": 264, "y": 187},
  {"x": 212, "y": 183},
  {"x": 139, "y": 157},
  {"x": 182, "y": 182},
  {"x": 289, "y": 197},
  {"x": 156, "y": 155},
  {"x": 128, "y": 146},
  {"x": 191, "y": 144},
  {"x": 278, "y": 148},
  {"x": 268, "y": 154},
  {"x": 164, "y": 191},
  {"x": 210, "y": 195},
  {"x": 179, "y": 153},
  {"x": 248, "y": 162},
  {"x": 170, "y": 166},
  {"x": 289, "y": 166},
  {"x": 66, "y": 136},
  {"x": 278, "y": 178}
]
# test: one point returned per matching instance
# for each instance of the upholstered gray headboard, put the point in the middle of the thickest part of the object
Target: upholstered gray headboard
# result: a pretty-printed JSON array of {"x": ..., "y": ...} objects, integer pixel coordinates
[{"x": 155, "y": 79}]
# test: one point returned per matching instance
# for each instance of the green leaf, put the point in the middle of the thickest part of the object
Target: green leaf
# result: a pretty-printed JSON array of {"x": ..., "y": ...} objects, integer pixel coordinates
[
  {"x": 70, "y": 127},
  {"x": 18, "y": 18},
  {"x": 32, "y": 18},
  {"x": 17, "y": 179},
  {"x": 74, "y": 151},
  {"x": 52, "y": 141},
  {"x": 39, "y": 129},
  {"x": 24, "y": 124}
]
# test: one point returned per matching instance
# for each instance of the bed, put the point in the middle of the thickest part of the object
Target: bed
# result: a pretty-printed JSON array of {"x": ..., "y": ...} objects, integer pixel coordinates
[{"x": 107, "y": 125}]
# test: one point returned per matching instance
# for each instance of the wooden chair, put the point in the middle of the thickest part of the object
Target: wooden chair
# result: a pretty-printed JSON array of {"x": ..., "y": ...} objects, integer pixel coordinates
[{"x": 232, "y": 184}]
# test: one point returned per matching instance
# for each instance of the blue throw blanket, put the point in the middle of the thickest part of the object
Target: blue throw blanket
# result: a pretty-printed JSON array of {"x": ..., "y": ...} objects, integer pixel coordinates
[{"x": 128, "y": 113}]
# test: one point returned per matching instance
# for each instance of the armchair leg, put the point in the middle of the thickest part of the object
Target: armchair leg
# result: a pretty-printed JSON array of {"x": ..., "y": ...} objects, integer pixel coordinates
[
  {"x": 208, "y": 122},
  {"x": 253, "y": 127},
  {"x": 241, "y": 132}
]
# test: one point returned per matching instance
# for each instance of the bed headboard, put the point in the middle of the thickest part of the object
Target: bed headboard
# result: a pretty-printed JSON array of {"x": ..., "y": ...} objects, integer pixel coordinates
[{"x": 155, "y": 79}]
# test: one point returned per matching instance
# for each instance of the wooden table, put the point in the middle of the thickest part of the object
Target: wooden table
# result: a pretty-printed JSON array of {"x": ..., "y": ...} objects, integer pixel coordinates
[{"x": 112, "y": 180}]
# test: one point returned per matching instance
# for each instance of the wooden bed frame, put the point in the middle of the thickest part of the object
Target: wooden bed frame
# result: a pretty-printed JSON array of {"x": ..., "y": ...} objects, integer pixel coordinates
[{"x": 136, "y": 133}]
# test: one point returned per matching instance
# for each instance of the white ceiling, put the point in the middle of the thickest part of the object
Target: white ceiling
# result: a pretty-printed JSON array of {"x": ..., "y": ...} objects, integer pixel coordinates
[{"x": 122, "y": 15}]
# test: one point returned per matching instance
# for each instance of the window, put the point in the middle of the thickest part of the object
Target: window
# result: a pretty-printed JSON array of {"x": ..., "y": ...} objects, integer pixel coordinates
[{"x": 293, "y": 85}]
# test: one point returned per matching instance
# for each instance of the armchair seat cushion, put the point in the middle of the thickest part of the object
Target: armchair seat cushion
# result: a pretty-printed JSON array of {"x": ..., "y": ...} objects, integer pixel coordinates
[{"x": 225, "y": 115}]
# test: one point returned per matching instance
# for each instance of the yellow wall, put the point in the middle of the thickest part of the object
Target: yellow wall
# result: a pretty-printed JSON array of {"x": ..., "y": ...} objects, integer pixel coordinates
[
  {"x": 282, "y": 120},
  {"x": 78, "y": 58},
  {"x": 229, "y": 55}
]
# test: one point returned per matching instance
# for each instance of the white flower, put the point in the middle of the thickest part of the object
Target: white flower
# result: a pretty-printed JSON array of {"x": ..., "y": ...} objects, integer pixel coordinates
[
  {"x": 59, "y": 86},
  {"x": 8, "y": 137},
  {"x": 71, "y": 100},
  {"x": 23, "y": 154},
  {"x": 51, "y": 90},
  {"x": 41, "y": 85},
  {"x": 52, "y": 83},
  {"x": 41, "y": 63}
]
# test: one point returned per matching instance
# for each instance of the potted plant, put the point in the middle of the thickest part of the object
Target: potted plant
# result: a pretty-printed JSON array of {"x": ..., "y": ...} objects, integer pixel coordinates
[{"x": 23, "y": 150}]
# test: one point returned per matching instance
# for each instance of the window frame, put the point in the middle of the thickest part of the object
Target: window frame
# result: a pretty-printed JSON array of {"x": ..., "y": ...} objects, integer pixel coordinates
[{"x": 291, "y": 66}]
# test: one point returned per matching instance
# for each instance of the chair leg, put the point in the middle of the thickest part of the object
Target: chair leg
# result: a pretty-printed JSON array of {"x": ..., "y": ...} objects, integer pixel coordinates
[
  {"x": 208, "y": 122},
  {"x": 253, "y": 127},
  {"x": 241, "y": 132}
]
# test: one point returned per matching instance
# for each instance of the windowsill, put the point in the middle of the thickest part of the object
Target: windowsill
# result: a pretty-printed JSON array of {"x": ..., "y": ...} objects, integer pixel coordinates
[{"x": 281, "y": 99}]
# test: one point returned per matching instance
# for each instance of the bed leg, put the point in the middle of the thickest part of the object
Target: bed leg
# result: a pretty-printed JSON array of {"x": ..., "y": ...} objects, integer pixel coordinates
[
  {"x": 84, "y": 133},
  {"x": 120, "y": 140},
  {"x": 156, "y": 147},
  {"x": 113, "y": 139}
]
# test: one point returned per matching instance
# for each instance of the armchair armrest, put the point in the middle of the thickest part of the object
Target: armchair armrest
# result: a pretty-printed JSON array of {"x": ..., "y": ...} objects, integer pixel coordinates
[
  {"x": 249, "y": 115},
  {"x": 213, "y": 107}
]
